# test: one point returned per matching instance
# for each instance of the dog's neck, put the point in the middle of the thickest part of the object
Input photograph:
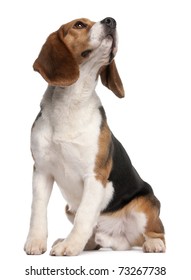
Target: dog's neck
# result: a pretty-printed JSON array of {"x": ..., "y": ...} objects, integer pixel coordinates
[
  {"x": 71, "y": 106},
  {"x": 81, "y": 91},
  {"x": 78, "y": 97}
]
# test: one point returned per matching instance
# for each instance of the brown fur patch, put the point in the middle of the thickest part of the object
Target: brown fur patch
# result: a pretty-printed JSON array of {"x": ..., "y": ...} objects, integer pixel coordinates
[
  {"x": 60, "y": 56},
  {"x": 77, "y": 40},
  {"x": 111, "y": 79},
  {"x": 150, "y": 206},
  {"x": 103, "y": 163}
]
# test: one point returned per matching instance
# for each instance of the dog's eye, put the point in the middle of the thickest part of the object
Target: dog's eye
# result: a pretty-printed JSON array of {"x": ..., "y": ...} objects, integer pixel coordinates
[
  {"x": 80, "y": 25},
  {"x": 86, "y": 53}
]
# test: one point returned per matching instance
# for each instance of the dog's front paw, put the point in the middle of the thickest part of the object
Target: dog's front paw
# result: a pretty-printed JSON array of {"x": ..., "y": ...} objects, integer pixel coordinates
[
  {"x": 66, "y": 248},
  {"x": 35, "y": 246},
  {"x": 154, "y": 245}
]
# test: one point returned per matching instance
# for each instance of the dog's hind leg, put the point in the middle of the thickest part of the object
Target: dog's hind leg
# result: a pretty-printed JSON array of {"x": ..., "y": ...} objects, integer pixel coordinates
[
  {"x": 118, "y": 243},
  {"x": 154, "y": 237},
  {"x": 154, "y": 240}
]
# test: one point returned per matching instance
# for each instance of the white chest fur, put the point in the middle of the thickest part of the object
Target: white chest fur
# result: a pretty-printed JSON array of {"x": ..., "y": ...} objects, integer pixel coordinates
[{"x": 64, "y": 139}]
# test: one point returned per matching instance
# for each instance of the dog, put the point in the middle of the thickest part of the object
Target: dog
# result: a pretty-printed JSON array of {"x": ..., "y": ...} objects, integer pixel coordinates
[{"x": 108, "y": 203}]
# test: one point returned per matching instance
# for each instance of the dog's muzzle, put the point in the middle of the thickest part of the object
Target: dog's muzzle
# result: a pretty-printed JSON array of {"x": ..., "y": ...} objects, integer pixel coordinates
[{"x": 110, "y": 31}]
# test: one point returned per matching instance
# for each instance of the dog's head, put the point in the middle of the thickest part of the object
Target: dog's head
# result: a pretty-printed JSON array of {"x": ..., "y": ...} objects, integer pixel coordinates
[{"x": 81, "y": 43}]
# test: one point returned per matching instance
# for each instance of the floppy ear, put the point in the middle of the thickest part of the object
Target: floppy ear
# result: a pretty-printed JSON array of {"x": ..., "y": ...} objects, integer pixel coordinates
[
  {"x": 55, "y": 62},
  {"x": 111, "y": 79}
]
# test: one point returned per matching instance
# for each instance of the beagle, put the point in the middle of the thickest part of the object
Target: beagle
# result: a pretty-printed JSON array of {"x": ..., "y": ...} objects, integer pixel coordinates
[{"x": 108, "y": 203}]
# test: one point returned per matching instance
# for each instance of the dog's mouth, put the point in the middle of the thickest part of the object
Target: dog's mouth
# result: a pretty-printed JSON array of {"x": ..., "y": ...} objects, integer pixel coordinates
[
  {"x": 113, "y": 46},
  {"x": 86, "y": 53}
]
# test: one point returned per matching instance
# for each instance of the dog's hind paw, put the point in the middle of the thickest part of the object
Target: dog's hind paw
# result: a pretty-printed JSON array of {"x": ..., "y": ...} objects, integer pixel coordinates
[{"x": 154, "y": 245}]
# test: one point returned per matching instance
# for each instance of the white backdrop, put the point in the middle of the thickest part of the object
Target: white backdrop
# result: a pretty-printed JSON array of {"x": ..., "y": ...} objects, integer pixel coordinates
[{"x": 152, "y": 122}]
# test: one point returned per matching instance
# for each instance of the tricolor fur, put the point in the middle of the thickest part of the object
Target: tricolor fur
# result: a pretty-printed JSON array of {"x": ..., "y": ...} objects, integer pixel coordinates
[{"x": 72, "y": 145}]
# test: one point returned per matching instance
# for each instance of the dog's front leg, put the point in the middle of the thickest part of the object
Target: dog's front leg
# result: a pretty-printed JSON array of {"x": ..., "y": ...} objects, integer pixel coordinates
[
  {"x": 37, "y": 236},
  {"x": 85, "y": 220}
]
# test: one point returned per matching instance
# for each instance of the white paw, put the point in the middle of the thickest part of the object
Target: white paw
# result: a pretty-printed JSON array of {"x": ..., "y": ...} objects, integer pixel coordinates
[
  {"x": 154, "y": 245},
  {"x": 66, "y": 248},
  {"x": 35, "y": 246}
]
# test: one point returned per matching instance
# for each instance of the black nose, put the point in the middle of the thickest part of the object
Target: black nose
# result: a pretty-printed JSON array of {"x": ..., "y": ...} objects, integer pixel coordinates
[{"x": 110, "y": 22}]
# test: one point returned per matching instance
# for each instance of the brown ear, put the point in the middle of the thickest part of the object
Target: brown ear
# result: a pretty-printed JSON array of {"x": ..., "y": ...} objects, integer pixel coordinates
[
  {"x": 111, "y": 79},
  {"x": 55, "y": 62}
]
